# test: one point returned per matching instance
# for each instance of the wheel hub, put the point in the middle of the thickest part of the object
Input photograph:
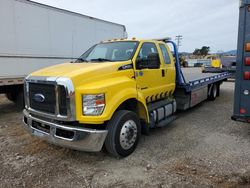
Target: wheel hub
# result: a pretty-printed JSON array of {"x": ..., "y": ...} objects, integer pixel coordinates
[{"x": 128, "y": 134}]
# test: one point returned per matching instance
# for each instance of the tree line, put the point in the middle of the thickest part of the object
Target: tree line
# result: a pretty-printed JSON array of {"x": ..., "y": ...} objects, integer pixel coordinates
[{"x": 203, "y": 51}]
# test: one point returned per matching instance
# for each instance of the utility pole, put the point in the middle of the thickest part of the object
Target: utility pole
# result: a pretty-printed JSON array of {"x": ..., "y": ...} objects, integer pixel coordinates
[{"x": 178, "y": 38}]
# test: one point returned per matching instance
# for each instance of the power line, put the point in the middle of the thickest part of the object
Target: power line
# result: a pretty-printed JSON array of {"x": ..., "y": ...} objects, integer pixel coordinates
[{"x": 178, "y": 38}]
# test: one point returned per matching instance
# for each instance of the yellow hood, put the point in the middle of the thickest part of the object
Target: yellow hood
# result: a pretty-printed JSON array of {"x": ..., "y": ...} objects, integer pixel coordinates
[{"x": 81, "y": 72}]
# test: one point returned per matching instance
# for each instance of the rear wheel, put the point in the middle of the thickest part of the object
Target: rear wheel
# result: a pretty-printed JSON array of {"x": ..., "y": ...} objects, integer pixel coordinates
[
  {"x": 212, "y": 92},
  {"x": 124, "y": 131}
]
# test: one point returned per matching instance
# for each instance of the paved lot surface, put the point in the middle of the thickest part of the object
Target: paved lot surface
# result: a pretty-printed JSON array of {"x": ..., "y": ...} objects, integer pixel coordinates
[{"x": 202, "y": 148}]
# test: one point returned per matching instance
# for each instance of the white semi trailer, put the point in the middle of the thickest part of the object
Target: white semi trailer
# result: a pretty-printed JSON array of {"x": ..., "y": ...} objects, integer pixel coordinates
[{"x": 33, "y": 36}]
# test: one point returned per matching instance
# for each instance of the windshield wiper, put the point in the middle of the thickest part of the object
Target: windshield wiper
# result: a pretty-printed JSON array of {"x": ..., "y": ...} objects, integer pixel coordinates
[
  {"x": 81, "y": 60},
  {"x": 101, "y": 59}
]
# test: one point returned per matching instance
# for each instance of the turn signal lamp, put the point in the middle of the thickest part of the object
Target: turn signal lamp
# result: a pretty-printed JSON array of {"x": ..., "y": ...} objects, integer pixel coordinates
[
  {"x": 247, "y": 47},
  {"x": 247, "y": 61},
  {"x": 247, "y": 75}
]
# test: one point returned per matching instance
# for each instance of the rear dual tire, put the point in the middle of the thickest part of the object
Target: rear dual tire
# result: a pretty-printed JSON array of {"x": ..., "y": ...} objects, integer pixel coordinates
[
  {"x": 213, "y": 92},
  {"x": 124, "y": 131}
]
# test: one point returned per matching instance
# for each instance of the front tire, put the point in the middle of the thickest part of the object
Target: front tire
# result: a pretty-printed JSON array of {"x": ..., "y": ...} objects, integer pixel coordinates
[{"x": 124, "y": 131}]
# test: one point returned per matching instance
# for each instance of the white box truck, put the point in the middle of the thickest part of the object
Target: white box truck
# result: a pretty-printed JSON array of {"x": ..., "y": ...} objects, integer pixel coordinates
[{"x": 33, "y": 36}]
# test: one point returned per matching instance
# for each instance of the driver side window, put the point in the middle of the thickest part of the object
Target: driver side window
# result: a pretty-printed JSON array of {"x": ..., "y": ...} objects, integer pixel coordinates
[
  {"x": 148, "y": 57},
  {"x": 147, "y": 49}
]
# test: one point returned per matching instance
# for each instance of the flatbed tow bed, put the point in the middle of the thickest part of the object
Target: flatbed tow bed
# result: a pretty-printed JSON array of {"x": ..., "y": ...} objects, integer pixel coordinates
[
  {"x": 231, "y": 70},
  {"x": 197, "y": 87},
  {"x": 193, "y": 86},
  {"x": 194, "y": 78}
]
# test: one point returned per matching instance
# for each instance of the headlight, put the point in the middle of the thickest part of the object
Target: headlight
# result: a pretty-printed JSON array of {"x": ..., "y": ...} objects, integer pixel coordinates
[{"x": 93, "y": 105}]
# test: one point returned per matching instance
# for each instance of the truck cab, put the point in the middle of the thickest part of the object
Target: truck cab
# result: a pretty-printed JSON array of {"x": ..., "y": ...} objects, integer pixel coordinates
[{"x": 105, "y": 98}]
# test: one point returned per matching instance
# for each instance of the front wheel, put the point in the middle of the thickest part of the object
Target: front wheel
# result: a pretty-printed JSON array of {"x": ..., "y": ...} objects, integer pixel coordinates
[{"x": 124, "y": 131}]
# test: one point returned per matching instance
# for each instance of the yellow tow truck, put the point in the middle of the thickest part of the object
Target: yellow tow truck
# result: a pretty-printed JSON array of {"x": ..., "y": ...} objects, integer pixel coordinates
[
  {"x": 217, "y": 64},
  {"x": 111, "y": 94},
  {"x": 215, "y": 61}
]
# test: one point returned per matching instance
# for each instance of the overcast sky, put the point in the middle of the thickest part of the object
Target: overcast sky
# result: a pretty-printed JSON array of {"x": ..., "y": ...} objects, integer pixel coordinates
[{"x": 201, "y": 22}]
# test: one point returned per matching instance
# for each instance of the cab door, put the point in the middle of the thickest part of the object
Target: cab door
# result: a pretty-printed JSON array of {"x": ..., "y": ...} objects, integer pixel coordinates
[
  {"x": 150, "y": 72},
  {"x": 168, "y": 66}
]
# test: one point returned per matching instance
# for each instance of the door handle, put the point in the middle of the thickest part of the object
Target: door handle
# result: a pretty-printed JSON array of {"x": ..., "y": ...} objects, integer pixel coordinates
[{"x": 163, "y": 73}]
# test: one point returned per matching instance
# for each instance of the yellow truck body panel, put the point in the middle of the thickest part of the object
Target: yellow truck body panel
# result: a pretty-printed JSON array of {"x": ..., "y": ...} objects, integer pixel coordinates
[
  {"x": 118, "y": 86},
  {"x": 216, "y": 63}
]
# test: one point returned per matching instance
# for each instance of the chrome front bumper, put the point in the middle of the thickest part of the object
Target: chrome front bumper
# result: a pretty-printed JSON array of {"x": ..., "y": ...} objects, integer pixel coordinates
[{"x": 82, "y": 139}]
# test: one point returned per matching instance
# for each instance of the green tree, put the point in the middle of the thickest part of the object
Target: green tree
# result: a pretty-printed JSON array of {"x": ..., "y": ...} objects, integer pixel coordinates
[
  {"x": 197, "y": 51},
  {"x": 204, "y": 50}
]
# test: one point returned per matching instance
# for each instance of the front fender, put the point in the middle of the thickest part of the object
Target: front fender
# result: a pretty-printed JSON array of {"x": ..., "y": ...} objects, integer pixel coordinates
[
  {"x": 116, "y": 90},
  {"x": 142, "y": 106},
  {"x": 132, "y": 94}
]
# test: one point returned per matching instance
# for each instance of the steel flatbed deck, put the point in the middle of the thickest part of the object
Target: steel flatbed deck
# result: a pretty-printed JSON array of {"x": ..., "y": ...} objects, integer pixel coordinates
[
  {"x": 194, "y": 78},
  {"x": 190, "y": 79}
]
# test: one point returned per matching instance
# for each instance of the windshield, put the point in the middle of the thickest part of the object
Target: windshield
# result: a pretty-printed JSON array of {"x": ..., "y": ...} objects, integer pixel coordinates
[{"x": 112, "y": 51}]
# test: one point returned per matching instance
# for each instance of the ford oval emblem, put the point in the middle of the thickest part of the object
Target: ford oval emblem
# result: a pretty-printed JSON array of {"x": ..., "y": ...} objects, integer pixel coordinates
[{"x": 39, "y": 98}]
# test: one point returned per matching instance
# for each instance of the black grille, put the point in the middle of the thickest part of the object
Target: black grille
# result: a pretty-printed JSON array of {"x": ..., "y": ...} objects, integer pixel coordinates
[
  {"x": 62, "y": 101},
  {"x": 47, "y": 105}
]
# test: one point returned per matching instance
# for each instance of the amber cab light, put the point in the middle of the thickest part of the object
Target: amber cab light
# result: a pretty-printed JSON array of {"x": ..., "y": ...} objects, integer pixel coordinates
[
  {"x": 247, "y": 75},
  {"x": 247, "y": 47},
  {"x": 247, "y": 61}
]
